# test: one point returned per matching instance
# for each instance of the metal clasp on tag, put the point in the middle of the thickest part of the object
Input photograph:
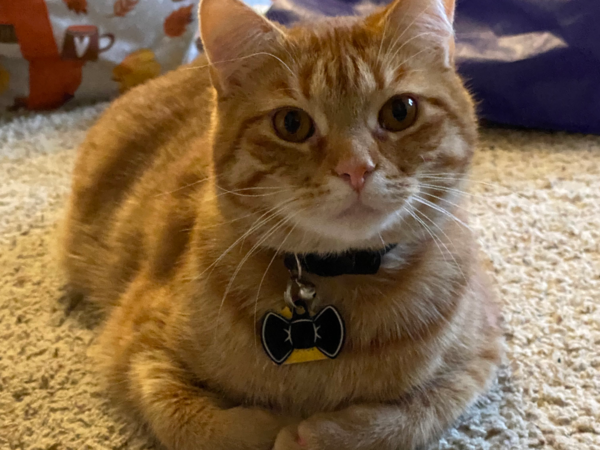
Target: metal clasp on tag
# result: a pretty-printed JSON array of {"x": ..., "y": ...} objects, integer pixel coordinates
[{"x": 298, "y": 289}]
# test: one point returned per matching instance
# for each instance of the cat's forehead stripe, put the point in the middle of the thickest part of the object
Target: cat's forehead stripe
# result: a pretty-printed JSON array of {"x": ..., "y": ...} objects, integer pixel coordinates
[
  {"x": 344, "y": 74},
  {"x": 341, "y": 60},
  {"x": 282, "y": 86}
]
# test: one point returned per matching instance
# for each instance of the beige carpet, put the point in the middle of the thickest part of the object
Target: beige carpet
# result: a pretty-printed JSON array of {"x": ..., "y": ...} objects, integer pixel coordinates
[{"x": 539, "y": 222}]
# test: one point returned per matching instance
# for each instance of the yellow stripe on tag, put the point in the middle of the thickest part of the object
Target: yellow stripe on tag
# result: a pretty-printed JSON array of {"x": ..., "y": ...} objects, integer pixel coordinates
[{"x": 305, "y": 355}]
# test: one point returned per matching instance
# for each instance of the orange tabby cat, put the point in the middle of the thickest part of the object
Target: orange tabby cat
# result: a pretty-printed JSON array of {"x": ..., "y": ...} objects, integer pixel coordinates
[{"x": 328, "y": 138}]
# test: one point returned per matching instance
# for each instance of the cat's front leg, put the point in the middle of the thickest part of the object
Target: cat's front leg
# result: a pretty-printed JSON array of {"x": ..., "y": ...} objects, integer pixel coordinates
[
  {"x": 186, "y": 417},
  {"x": 410, "y": 424}
]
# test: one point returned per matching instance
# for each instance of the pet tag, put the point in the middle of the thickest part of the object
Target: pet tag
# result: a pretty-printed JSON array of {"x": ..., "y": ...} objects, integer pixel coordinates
[{"x": 302, "y": 337}]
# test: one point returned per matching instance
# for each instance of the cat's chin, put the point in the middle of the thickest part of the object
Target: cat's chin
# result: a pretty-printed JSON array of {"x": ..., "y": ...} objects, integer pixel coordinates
[
  {"x": 358, "y": 212},
  {"x": 357, "y": 227}
]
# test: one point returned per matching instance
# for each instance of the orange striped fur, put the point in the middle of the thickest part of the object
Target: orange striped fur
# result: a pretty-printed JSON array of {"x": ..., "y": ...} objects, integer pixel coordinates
[{"x": 184, "y": 199}]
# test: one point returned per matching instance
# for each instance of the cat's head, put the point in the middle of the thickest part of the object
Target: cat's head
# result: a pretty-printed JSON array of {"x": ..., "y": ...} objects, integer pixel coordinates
[{"x": 341, "y": 127}]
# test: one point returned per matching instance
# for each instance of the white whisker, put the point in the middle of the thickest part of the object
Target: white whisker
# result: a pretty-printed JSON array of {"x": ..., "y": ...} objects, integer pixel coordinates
[
  {"x": 409, "y": 26},
  {"x": 443, "y": 200},
  {"x": 264, "y": 276},
  {"x": 411, "y": 57},
  {"x": 426, "y": 228},
  {"x": 185, "y": 187},
  {"x": 238, "y": 194},
  {"x": 405, "y": 43},
  {"x": 452, "y": 190},
  {"x": 212, "y": 63},
  {"x": 442, "y": 210},
  {"x": 442, "y": 242},
  {"x": 255, "y": 226},
  {"x": 266, "y": 236}
]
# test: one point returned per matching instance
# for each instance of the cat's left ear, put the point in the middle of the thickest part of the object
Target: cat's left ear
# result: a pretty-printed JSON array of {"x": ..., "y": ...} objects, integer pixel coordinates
[
  {"x": 233, "y": 33},
  {"x": 428, "y": 20}
]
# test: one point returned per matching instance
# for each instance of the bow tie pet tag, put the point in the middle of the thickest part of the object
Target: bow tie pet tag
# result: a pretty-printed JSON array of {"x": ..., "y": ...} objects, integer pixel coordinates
[{"x": 296, "y": 335}]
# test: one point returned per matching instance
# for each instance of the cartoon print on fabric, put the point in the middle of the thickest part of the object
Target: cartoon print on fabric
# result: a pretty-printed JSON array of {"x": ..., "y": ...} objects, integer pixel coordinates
[
  {"x": 84, "y": 42},
  {"x": 137, "y": 68},
  {"x": 52, "y": 80},
  {"x": 77, "y": 6},
  {"x": 177, "y": 22},
  {"x": 123, "y": 7},
  {"x": 44, "y": 45}
]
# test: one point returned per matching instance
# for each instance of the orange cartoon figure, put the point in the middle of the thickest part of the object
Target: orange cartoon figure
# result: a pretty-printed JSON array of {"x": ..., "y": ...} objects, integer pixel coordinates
[
  {"x": 4, "y": 79},
  {"x": 52, "y": 80},
  {"x": 137, "y": 68}
]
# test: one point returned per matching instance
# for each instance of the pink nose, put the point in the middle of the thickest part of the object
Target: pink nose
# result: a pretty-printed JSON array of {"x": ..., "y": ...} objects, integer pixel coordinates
[{"x": 355, "y": 172}]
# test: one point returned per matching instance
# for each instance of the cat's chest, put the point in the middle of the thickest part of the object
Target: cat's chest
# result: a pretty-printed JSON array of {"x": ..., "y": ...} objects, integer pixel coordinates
[{"x": 241, "y": 368}]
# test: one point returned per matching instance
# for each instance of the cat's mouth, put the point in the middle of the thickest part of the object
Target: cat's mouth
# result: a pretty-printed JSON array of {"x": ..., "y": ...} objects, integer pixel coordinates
[{"x": 357, "y": 210}]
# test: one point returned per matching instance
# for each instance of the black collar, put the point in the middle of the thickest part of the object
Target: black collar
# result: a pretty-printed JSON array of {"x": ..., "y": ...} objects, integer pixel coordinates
[{"x": 351, "y": 262}]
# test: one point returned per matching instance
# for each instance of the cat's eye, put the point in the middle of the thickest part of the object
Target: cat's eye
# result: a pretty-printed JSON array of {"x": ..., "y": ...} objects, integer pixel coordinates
[
  {"x": 293, "y": 125},
  {"x": 398, "y": 113}
]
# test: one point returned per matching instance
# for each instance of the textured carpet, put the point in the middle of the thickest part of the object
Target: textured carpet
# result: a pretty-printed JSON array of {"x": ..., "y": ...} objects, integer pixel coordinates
[{"x": 535, "y": 205}]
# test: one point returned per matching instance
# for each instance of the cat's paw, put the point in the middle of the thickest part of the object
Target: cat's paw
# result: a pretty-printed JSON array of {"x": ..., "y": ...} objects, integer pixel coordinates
[
  {"x": 317, "y": 433},
  {"x": 288, "y": 439},
  {"x": 256, "y": 428}
]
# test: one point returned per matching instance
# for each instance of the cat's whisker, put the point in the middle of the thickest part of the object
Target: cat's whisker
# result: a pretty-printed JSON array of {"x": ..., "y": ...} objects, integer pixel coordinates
[
  {"x": 411, "y": 57},
  {"x": 213, "y": 63},
  {"x": 382, "y": 240},
  {"x": 409, "y": 26},
  {"x": 265, "y": 236},
  {"x": 444, "y": 200},
  {"x": 405, "y": 43},
  {"x": 265, "y": 275},
  {"x": 186, "y": 186},
  {"x": 437, "y": 242},
  {"x": 271, "y": 213},
  {"x": 385, "y": 27},
  {"x": 261, "y": 188},
  {"x": 219, "y": 224},
  {"x": 460, "y": 192},
  {"x": 473, "y": 181},
  {"x": 442, "y": 211},
  {"x": 453, "y": 177},
  {"x": 289, "y": 54},
  {"x": 428, "y": 229},
  {"x": 442, "y": 242},
  {"x": 239, "y": 194},
  {"x": 277, "y": 212}
]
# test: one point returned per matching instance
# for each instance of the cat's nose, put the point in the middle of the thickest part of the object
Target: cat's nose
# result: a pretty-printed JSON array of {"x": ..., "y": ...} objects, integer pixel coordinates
[{"x": 354, "y": 172}]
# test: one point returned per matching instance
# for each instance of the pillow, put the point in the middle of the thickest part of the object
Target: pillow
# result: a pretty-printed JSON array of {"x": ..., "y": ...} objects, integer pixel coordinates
[{"x": 52, "y": 51}]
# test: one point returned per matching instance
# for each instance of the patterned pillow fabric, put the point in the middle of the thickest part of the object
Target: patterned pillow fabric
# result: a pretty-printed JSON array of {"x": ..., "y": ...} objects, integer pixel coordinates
[{"x": 52, "y": 51}]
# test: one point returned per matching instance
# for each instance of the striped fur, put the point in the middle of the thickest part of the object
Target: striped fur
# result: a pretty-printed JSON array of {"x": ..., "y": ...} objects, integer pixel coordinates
[{"x": 184, "y": 199}]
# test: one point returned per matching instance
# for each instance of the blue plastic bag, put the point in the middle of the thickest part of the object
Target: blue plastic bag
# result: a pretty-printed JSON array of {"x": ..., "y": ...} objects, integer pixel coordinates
[{"x": 529, "y": 63}]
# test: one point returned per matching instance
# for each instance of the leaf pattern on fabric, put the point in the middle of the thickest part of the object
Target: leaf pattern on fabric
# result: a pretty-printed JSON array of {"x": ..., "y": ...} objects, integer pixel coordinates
[
  {"x": 123, "y": 7},
  {"x": 77, "y": 6},
  {"x": 137, "y": 68},
  {"x": 177, "y": 22}
]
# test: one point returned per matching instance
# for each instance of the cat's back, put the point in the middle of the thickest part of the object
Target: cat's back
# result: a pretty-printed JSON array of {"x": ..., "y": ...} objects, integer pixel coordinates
[
  {"x": 154, "y": 120},
  {"x": 135, "y": 147}
]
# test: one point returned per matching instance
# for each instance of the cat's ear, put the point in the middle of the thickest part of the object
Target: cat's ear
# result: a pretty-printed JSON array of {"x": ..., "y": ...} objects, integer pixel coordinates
[
  {"x": 231, "y": 33},
  {"x": 428, "y": 20}
]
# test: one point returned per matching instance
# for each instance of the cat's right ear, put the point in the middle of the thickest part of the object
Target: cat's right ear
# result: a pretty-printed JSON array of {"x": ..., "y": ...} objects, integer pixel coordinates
[
  {"x": 232, "y": 33},
  {"x": 428, "y": 20}
]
